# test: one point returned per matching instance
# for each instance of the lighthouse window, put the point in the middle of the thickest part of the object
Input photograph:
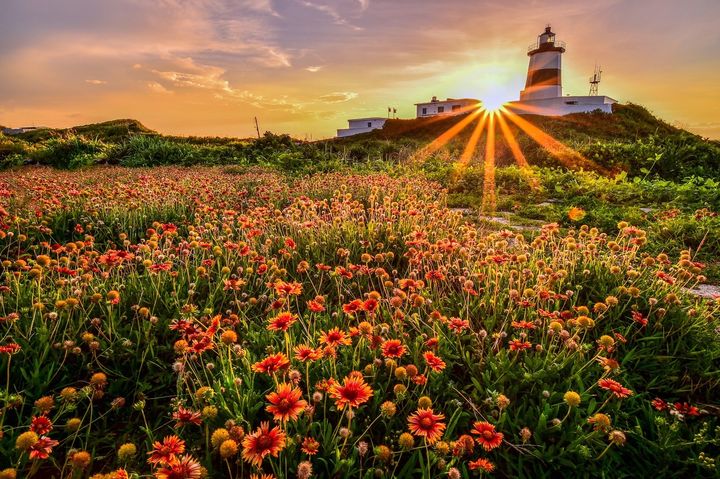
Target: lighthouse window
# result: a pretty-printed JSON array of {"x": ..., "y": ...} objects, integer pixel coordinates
[{"x": 441, "y": 109}]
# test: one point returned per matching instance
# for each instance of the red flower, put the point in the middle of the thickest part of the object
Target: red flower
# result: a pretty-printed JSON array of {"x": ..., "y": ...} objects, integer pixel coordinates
[
  {"x": 185, "y": 416},
  {"x": 370, "y": 305},
  {"x": 458, "y": 325},
  {"x": 517, "y": 345},
  {"x": 487, "y": 436},
  {"x": 615, "y": 387},
  {"x": 315, "y": 306},
  {"x": 434, "y": 275},
  {"x": 43, "y": 448},
  {"x": 393, "y": 348},
  {"x": 285, "y": 404},
  {"x": 434, "y": 362},
  {"x": 686, "y": 409},
  {"x": 659, "y": 404},
  {"x": 271, "y": 364},
  {"x": 261, "y": 443},
  {"x": 481, "y": 463},
  {"x": 425, "y": 423},
  {"x": 166, "y": 451},
  {"x": 281, "y": 322},
  {"x": 185, "y": 467},
  {"x": 41, "y": 425},
  {"x": 10, "y": 348},
  {"x": 522, "y": 325},
  {"x": 639, "y": 318},
  {"x": 353, "y": 306},
  {"x": 353, "y": 392}
]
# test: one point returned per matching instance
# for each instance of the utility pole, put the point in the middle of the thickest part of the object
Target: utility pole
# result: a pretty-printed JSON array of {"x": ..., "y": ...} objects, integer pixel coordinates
[{"x": 257, "y": 128}]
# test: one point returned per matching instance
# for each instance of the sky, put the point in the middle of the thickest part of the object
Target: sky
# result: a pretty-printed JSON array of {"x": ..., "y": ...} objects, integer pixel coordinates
[{"x": 208, "y": 67}]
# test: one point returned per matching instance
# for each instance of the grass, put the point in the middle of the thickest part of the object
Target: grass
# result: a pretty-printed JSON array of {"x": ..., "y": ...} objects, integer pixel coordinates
[{"x": 148, "y": 303}]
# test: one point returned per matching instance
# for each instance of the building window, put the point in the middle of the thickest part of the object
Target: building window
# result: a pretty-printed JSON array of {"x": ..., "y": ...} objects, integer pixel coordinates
[
  {"x": 455, "y": 107},
  {"x": 424, "y": 111},
  {"x": 571, "y": 102},
  {"x": 369, "y": 124},
  {"x": 441, "y": 109}
]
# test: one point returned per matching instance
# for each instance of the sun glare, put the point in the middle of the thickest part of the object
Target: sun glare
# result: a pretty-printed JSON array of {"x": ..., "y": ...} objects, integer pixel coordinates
[{"x": 494, "y": 103}]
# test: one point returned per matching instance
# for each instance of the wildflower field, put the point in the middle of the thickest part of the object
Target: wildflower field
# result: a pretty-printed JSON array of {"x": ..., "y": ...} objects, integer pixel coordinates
[{"x": 207, "y": 322}]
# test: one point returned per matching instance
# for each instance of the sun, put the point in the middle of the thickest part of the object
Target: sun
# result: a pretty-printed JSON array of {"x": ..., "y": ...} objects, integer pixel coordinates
[{"x": 493, "y": 103}]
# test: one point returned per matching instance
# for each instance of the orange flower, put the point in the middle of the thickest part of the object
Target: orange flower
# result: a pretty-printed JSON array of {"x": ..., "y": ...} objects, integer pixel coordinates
[
  {"x": 334, "y": 338},
  {"x": 185, "y": 467},
  {"x": 425, "y": 423},
  {"x": 287, "y": 289},
  {"x": 576, "y": 214},
  {"x": 271, "y": 364},
  {"x": 315, "y": 306},
  {"x": 353, "y": 392},
  {"x": 353, "y": 306},
  {"x": 306, "y": 353},
  {"x": 615, "y": 387},
  {"x": 488, "y": 437},
  {"x": 310, "y": 446},
  {"x": 285, "y": 404},
  {"x": 518, "y": 345},
  {"x": 393, "y": 348},
  {"x": 263, "y": 442},
  {"x": 434, "y": 362},
  {"x": 166, "y": 451},
  {"x": 281, "y": 322},
  {"x": 481, "y": 463}
]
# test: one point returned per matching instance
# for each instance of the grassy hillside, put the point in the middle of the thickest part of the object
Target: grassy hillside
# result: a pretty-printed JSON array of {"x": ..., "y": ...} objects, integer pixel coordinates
[
  {"x": 630, "y": 140},
  {"x": 109, "y": 131}
]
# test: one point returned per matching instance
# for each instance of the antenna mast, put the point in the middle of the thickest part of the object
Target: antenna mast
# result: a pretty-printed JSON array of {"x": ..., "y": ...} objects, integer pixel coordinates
[{"x": 595, "y": 81}]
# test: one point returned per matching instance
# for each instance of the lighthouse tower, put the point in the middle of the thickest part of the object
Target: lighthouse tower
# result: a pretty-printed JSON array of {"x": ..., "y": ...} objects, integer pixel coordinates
[{"x": 544, "y": 71}]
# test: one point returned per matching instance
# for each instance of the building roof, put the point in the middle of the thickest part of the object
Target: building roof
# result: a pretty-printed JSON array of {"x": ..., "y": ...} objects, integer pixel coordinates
[
  {"x": 368, "y": 119},
  {"x": 447, "y": 100}
]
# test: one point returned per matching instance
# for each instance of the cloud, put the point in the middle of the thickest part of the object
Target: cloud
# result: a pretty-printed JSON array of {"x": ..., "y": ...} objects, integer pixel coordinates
[
  {"x": 96, "y": 82},
  {"x": 338, "y": 97},
  {"x": 330, "y": 11},
  {"x": 158, "y": 88},
  {"x": 364, "y": 4},
  {"x": 313, "y": 69},
  {"x": 195, "y": 75}
]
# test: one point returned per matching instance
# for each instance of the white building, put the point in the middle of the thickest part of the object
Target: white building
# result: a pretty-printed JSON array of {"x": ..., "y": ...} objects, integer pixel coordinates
[
  {"x": 22, "y": 129},
  {"x": 451, "y": 106},
  {"x": 543, "y": 88},
  {"x": 361, "y": 125}
]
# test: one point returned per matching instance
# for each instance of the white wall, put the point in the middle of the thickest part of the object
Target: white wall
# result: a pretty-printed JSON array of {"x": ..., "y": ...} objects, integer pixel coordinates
[
  {"x": 367, "y": 123},
  {"x": 353, "y": 131},
  {"x": 432, "y": 108},
  {"x": 562, "y": 105}
]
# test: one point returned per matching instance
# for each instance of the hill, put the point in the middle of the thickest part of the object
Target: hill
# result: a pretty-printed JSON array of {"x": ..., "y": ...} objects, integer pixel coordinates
[
  {"x": 631, "y": 139},
  {"x": 108, "y": 131}
]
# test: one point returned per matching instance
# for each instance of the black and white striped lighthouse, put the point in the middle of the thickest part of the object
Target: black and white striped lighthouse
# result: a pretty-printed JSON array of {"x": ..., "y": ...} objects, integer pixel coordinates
[{"x": 544, "y": 78}]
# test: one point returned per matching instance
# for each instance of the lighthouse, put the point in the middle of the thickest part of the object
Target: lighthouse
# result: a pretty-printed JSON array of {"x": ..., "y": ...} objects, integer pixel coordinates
[
  {"x": 543, "y": 94},
  {"x": 544, "y": 77}
]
